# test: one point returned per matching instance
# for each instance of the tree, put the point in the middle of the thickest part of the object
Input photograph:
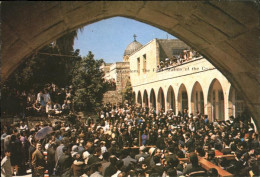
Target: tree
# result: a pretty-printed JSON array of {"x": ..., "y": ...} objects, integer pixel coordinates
[
  {"x": 41, "y": 69},
  {"x": 88, "y": 84},
  {"x": 65, "y": 43},
  {"x": 128, "y": 92}
]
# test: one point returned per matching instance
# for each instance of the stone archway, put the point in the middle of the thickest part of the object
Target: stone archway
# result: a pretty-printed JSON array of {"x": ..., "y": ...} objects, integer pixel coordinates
[
  {"x": 145, "y": 99},
  {"x": 139, "y": 98},
  {"x": 182, "y": 98},
  {"x": 226, "y": 33},
  {"x": 161, "y": 100},
  {"x": 152, "y": 99},
  {"x": 216, "y": 105},
  {"x": 197, "y": 99},
  {"x": 171, "y": 99}
]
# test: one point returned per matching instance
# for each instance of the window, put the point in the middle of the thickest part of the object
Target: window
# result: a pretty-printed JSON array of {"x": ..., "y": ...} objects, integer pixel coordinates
[
  {"x": 144, "y": 67},
  {"x": 138, "y": 65}
]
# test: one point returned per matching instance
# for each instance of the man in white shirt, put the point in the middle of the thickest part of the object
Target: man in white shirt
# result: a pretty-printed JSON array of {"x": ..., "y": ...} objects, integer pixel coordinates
[{"x": 46, "y": 96}]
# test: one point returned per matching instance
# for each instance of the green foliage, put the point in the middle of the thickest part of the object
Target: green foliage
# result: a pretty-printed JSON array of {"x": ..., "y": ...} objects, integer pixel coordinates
[
  {"x": 128, "y": 92},
  {"x": 88, "y": 84},
  {"x": 41, "y": 69}
]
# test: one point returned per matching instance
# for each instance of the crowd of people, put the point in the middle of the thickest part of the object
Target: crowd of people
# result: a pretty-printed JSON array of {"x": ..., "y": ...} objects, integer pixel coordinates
[
  {"x": 49, "y": 101},
  {"x": 184, "y": 56},
  {"x": 131, "y": 141}
]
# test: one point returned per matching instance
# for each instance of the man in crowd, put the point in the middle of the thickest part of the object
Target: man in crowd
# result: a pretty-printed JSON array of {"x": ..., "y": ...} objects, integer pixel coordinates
[
  {"x": 6, "y": 168},
  {"x": 38, "y": 162}
]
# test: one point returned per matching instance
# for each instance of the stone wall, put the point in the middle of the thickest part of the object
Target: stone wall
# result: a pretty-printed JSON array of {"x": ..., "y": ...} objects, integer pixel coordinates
[
  {"x": 226, "y": 33},
  {"x": 113, "y": 97}
]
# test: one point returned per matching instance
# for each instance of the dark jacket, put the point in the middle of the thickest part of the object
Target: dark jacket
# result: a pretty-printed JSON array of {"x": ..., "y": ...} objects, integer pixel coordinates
[
  {"x": 38, "y": 163},
  {"x": 190, "y": 169},
  {"x": 65, "y": 162}
]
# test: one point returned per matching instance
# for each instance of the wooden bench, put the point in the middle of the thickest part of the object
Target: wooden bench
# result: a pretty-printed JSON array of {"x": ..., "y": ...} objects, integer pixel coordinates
[
  {"x": 137, "y": 147},
  {"x": 230, "y": 156},
  {"x": 207, "y": 165}
]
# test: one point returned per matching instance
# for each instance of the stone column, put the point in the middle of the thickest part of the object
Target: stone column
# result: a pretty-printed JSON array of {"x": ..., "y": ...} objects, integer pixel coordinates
[
  {"x": 176, "y": 105},
  {"x": 189, "y": 103},
  {"x": 226, "y": 105}
]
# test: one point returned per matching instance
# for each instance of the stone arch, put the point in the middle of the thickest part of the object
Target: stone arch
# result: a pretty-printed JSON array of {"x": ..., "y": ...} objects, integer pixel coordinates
[
  {"x": 171, "y": 99},
  {"x": 218, "y": 39},
  {"x": 161, "y": 100},
  {"x": 139, "y": 98},
  {"x": 145, "y": 99},
  {"x": 152, "y": 99},
  {"x": 182, "y": 98},
  {"x": 216, "y": 105},
  {"x": 197, "y": 99}
]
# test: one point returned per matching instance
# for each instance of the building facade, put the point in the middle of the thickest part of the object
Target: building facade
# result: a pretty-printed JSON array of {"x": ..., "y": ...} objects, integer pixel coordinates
[{"x": 189, "y": 82}]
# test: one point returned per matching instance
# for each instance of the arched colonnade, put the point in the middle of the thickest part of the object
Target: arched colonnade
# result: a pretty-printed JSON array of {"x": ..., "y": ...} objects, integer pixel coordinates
[{"x": 210, "y": 98}]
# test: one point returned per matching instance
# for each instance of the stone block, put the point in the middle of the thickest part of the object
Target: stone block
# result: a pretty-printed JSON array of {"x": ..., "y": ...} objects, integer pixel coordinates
[
  {"x": 203, "y": 29},
  {"x": 222, "y": 22},
  {"x": 86, "y": 14},
  {"x": 156, "y": 18},
  {"x": 31, "y": 20},
  {"x": 13, "y": 60},
  {"x": 185, "y": 34},
  {"x": 244, "y": 12},
  {"x": 236, "y": 57},
  {"x": 120, "y": 8},
  {"x": 248, "y": 44},
  {"x": 8, "y": 37},
  {"x": 180, "y": 11}
]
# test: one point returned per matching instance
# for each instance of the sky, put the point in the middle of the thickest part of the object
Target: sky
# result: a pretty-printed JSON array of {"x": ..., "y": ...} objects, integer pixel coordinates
[{"x": 108, "y": 39}]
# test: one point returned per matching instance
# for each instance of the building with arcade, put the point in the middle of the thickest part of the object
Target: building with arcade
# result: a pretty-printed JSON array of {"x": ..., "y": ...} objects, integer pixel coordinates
[{"x": 167, "y": 74}]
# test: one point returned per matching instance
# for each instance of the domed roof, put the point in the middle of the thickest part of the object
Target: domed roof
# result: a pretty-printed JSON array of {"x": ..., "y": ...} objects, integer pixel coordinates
[{"x": 132, "y": 47}]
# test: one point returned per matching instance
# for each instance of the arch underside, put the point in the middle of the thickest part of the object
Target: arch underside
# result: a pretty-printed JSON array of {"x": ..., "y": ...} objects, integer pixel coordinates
[{"x": 226, "y": 33}]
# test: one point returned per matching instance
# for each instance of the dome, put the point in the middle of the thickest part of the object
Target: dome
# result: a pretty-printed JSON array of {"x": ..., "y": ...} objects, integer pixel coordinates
[{"x": 132, "y": 47}]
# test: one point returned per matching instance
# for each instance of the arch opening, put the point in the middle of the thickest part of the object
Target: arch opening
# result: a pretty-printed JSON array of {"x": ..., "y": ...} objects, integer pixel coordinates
[
  {"x": 171, "y": 99},
  {"x": 145, "y": 99},
  {"x": 152, "y": 99},
  {"x": 139, "y": 98},
  {"x": 216, "y": 101},
  {"x": 182, "y": 99},
  {"x": 161, "y": 100},
  {"x": 197, "y": 99}
]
